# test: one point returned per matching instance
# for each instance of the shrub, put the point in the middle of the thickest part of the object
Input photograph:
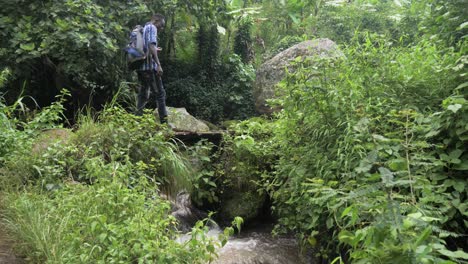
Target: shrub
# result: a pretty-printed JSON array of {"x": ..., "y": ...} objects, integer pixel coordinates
[
  {"x": 101, "y": 223},
  {"x": 96, "y": 197},
  {"x": 363, "y": 153},
  {"x": 227, "y": 94}
]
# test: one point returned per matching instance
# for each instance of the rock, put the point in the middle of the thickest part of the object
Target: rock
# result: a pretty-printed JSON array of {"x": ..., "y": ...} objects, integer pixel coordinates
[
  {"x": 186, "y": 214},
  {"x": 181, "y": 120},
  {"x": 49, "y": 137},
  {"x": 273, "y": 71},
  {"x": 246, "y": 204},
  {"x": 238, "y": 189},
  {"x": 254, "y": 247}
]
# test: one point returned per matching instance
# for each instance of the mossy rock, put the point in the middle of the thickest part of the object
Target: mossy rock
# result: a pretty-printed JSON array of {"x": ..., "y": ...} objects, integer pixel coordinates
[
  {"x": 181, "y": 120},
  {"x": 270, "y": 73},
  {"x": 247, "y": 205},
  {"x": 49, "y": 137}
]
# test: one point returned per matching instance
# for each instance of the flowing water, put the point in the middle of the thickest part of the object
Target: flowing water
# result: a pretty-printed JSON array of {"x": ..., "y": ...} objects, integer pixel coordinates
[
  {"x": 252, "y": 246},
  {"x": 259, "y": 247}
]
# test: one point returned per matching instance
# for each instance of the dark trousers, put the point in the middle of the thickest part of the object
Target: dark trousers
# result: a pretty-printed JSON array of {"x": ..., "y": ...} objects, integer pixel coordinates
[{"x": 150, "y": 82}]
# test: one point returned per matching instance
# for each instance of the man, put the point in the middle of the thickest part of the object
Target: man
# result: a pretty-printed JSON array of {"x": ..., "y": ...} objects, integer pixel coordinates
[{"x": 151, "y": 71}]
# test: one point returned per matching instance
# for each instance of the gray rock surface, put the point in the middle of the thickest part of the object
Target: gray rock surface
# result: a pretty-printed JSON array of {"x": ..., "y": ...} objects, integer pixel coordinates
[
  {"x": 181, "y": 120},
  {"x": 273, "y": 71}
]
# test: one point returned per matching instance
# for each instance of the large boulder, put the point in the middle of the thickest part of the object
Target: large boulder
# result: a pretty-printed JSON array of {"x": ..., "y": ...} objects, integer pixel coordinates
[
  {"x": 273, "y": 71},
  {"x": 181, "y": 120},
  {"x": 49, "y": 137}
]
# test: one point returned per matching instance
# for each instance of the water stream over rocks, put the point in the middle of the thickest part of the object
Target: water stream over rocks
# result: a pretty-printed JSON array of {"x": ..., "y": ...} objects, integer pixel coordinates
[{"x": 254, "y": 245}]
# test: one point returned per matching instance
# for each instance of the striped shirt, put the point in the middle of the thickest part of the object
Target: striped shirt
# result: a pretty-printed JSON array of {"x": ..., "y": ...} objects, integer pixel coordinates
[{"x": 150, "y": 36}]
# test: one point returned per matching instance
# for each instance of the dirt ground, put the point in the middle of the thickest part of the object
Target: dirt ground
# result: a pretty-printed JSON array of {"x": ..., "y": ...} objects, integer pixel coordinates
[{"x": 6, "y": 251}]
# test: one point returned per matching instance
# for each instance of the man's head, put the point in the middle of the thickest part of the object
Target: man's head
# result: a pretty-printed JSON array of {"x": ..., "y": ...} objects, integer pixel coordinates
[{"x": 158, "y": 21}]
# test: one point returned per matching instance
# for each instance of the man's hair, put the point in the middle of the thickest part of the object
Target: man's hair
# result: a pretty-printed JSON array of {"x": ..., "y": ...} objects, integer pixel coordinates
[{"x": 157, "y": 17}]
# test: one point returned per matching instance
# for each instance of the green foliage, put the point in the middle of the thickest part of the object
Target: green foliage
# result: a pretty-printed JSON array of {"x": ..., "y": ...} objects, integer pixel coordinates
[
  {"x": 4, "y": 74},
  {"x": 366, "y": 161},
  {"x": 243, "y": 41},
  {"x": 19, "y": 129},
  {"x": 416, "y": 211},
  {"x": 94, "y": 196},
  {"x": 117, "y": 136},
  {"x": 290, "y": 17},
  {"x": 238, "y": 87},
  {"x": 248, "y": 156},
  {"x": 449, "y": 126},
  {"x": 75, "y": 42},
  {"x": 447, "y": 21},
  {"x": 245, "y": 160},
  {"x": 371, "y": 153},
  {"x": 102, "y": 223},
  {"x": 211, "y": 87},
  {"x": 208, "y": 48},
  {"x": 228, "y": 95},
  {"x": 418, "y": 85},
  {"x": 340, "y": 22},
  {"x": 76, "y": 45},
  {"x": 203, "y": 157}
]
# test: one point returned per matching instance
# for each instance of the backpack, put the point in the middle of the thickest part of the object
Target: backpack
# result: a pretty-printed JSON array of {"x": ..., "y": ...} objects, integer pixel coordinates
[{"x": 134, "y": 51}]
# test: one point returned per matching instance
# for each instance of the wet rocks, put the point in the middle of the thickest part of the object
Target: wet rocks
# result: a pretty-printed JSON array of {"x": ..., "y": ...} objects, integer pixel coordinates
[
  {"x": 183, "y": 210},
  {"x": 260, "y": 247}
]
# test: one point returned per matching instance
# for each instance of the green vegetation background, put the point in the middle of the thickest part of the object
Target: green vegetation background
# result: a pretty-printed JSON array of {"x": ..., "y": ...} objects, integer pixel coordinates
[{"x": 366, "y": 162}]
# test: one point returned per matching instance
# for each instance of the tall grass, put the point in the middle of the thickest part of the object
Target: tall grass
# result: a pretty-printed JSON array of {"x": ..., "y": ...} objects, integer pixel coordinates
[
  {"x": 38, "y": 230},
  {"x": 106, "y": 222},
  {"x": 118, "y": 135},
  {"x": 94, "y": 197}
]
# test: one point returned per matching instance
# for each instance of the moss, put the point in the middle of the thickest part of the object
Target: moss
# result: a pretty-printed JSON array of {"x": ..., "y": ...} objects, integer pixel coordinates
[
  {"x": 49, "y": 137},
  {"x": 244, "y": 204}
]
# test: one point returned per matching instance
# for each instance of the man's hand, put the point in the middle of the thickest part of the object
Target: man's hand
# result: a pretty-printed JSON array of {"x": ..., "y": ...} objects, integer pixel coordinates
[{"x": 159, "y": 70}]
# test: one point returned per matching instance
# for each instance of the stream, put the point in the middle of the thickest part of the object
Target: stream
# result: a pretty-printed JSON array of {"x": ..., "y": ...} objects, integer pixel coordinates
[{"x": 254, "y": 245}]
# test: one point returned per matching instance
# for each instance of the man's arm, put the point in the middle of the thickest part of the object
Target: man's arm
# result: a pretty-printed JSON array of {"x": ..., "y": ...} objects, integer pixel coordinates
[
  {"x": 151, "y": 37},
  {"x": 154, "y": 53}
]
